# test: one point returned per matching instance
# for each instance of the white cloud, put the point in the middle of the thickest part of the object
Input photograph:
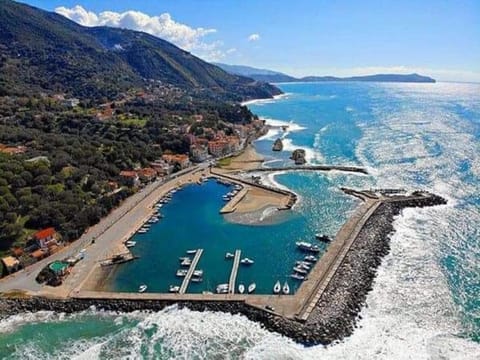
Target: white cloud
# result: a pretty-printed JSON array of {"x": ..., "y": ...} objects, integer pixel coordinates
[
  {"x": 231, "y": 51},
  {"x": 254, "y": 37},
  {"x": 163, "y": 26}
]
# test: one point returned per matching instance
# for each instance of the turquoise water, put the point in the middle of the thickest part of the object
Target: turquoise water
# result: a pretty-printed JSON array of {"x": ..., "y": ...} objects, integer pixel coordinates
[{"x": 424, "y": 303}]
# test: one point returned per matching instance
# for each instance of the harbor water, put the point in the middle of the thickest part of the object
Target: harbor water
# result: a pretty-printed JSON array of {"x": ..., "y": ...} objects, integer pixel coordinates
[{"x": 424, "y": 303}]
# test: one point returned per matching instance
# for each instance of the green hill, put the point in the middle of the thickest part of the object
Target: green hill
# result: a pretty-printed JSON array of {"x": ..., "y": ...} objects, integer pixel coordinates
[{"x": 43, "y": 51}]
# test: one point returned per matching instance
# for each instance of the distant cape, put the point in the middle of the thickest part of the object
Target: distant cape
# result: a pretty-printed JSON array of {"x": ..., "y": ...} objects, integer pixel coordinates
[{"x": 276, "y": 77}]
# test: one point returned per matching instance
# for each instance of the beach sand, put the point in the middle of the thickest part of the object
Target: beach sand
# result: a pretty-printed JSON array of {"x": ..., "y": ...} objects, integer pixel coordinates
[{"x": 249, "y": 159}]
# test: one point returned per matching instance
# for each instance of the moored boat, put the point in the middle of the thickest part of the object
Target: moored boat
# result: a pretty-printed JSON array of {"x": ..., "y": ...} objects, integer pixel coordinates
[
  {"x": 198, "y": 273},
  {"x": 252, "y": 287},
  {"x": 247, "y": 261},
  {"x": 277, "y": 287},
  {"x": 286, "y": 288},
  {"x": 241, "y": 288},
  {"x": 323, "y": 237},
  {"x": 174, "y": 289},
  {"x": 142, "y": 288},
  {"x": 222, "y": 289},
  {"x": 297, "y": 276},
  {"x": 300, "y": 270},
  {"x": 193, "y": 251},
  {"x": 197, "y": 279},
  {"x": 310, "y": 258},
  {"x": 181, "y": 273},
  {"x": 305, "y": 246},
  {"x": 186, "y": 262},
  {"x": 229, "y": 255},
  {"x": 130, "y": 243}
]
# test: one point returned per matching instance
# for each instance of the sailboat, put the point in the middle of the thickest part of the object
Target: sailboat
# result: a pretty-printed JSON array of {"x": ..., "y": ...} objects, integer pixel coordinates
[
  {"x": 241, "y": 288},
  {"x": 277, "y": 287},
  {"x": 286, "y": 288}
]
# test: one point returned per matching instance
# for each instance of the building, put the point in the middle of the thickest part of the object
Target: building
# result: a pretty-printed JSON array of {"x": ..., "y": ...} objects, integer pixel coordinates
[
  {"x": 11, "y": 264},
  {"x": 12, "y": 150},
  {"x": 39, "y": 254},
  {"x": 46, "y": 237},
  {"x": 71, "y": 102},
  {"x": 198, "y": 153},
  {"x": 129, "y": 178},
  {"x": 147, "y": 174},
  {"x": 218, "y": 147},
  {"x": 182, "y": 160},
  {"x": 161, "y": 167}
]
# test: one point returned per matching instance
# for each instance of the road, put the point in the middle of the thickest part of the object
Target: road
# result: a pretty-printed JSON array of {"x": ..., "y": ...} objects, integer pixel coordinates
[{"x": 118, "y": 224}]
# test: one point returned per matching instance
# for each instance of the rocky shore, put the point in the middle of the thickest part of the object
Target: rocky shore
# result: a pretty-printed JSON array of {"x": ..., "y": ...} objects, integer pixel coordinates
[{"x": 334, "y": 317}]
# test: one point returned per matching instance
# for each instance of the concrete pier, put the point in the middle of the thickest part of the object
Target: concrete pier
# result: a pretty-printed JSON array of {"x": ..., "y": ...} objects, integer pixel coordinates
[
  {"x": 233, "y": 274},
  {"x": 187, "y": 279}
]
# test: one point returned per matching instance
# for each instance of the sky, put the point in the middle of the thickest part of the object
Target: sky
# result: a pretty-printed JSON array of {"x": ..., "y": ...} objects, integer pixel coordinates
[{"x": 438, "y": 38}]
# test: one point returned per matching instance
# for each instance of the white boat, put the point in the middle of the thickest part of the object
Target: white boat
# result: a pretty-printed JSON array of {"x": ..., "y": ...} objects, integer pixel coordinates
[
  {"x": 198, "y": 273},
  {"x": 191, "y": 251},
  {"x": 323, "y": 237},
  {"x": 182, "y": 258},
  {"x": 277, "y": 287},
  {"x": 241, "y": 288},
  {"x": 303, "y": 265},
  {"x": 300, "y": 270},
  {"x": 229, "y": 255},
  {"x": 247, "y": 261},
  {"x": 286, "y": 288},
  {"x": 182, "y": 273},
  {"x": 142, "y": 231},
  {"x": 142, "y": 288},
  {"x": 222, "y": 289},
  {"x": 252, "y": 287},
  {"x": 186, "y": 262},
  {"x": 130, "y": 244},
  {"x": 307, "y": 246},
  {"x": 197, "y": 279},
  {"x": 297, "y": 276},
  {"x": 310, "y": 258},
  {"x": 174, "y": 289}
]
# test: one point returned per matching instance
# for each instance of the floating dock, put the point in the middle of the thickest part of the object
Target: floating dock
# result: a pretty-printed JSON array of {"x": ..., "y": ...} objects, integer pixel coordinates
[
  {"x": 233, "y": 274},
  {"x": 191, "y": 269}
]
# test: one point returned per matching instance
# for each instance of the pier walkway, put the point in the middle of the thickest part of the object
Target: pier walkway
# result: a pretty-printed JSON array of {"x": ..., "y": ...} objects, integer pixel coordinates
[
  {"x": 191, "y": 269},
  {"x": 233, "y": 274},
  {"x": 354, "y": 169}
]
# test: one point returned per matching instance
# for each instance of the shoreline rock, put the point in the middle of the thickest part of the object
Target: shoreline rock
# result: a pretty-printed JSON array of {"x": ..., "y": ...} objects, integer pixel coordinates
[
  {"x": 277, "y": 145},
  {"x": 298, "y": 155}
]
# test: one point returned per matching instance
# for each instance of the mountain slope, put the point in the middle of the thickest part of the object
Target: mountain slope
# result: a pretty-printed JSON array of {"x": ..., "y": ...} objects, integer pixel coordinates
[
  {"x": 43, "y": 51},
  {"x": 276, "y": 77}
]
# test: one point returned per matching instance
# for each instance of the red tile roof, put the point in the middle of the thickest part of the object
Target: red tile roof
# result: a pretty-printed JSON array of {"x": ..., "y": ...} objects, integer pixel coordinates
[{"x": 45, "y": 233}]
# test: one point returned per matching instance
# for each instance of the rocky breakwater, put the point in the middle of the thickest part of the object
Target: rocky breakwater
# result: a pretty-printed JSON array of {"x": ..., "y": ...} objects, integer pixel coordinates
[{"x": 298, "y": 155}]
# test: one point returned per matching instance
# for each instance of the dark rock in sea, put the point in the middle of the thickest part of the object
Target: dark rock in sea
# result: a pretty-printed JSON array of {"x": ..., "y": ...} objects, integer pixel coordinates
[
  {"x": 298, "y": 156},
  {"x": 277, "y": 145}
]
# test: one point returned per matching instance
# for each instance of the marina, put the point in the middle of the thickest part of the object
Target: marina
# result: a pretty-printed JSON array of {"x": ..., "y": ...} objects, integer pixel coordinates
[
  {"x": 233, "y": 274},
  {"x": 191, "y": 271}
]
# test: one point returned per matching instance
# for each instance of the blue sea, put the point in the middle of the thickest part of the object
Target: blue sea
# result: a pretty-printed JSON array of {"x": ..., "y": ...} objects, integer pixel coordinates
[{"x": 425, "y": 302}]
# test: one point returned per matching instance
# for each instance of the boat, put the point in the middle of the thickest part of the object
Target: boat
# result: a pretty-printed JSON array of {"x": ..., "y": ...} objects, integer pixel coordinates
[
  {"x": 241, "y": 288},
  {"x": 130, "y": 243},
  {"x": 182, "y": 273},
  {"x": 297, "y": 276},
  {"x": 198, "y": 273},
  {"x": 174, "y": 289},
  {"x": 197, "y": 279},
  {"x": 286, "y": 288},
  {"x": 229, "y": 255},
  {"x": 323, "y": 237},
  {"x": 142, "y": 231},
  {"x": 310, "y": 258},
  {"x": 222, "y": 289},
  {"x": 252, "y": 287},
  {"x": 307, "y": 246},
  {"x": 142, "y": 288},
  {"x": 303, "y": 265},
  {"x": 300, "y": 270},
  {"x": 182, "y": 258},
  {"x": 277, "y": 287},
  {"x": 191, "y": 251},
  {"x": 186, "y": 262},
  {"x": 247, "y": 261}
]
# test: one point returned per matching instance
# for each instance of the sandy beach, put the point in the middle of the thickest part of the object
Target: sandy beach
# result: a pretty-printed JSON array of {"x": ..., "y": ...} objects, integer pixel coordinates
[{"x": 249, "y": 159}]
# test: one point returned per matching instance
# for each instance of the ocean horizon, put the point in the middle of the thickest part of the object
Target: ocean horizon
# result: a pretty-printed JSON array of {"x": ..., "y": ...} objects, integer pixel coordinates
[{"x": 424, "y": 303}]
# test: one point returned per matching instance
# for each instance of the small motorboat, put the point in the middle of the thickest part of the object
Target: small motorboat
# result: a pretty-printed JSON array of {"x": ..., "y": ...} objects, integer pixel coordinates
[
  {"x": 305, "y": 246},
  {"x": 323, "y": 237},
  {"x": 198, "y": 273},
  {"x": 252, "y": 287},
  {"x": 310, "y": 258},
  {"x": 286, "y": 288},
  {"x": 174, "y": 289},
  {"x": 222, "y": 289},
  {"x": 182, "y": 258},
  {"x": 142, "y": 231},
  {"x": 192, "y": 251},
  {"x": 142, "y": 288},
  {"x": 241, "y": 288},
  {"x": 182, "y": 273},
  {"x": 277, "y": 287},
  {"x": 303, "y": 265},
  {"x": 186, "y": 262},
  {"x": 300, "y": 270},
  {"x": 297, "y": 276},
  {"x": 246, "y": 261},
  {"x": 130, "y": 244},
  {"x": 197, "y": 279},
  {"x": 229, "y": 255}
]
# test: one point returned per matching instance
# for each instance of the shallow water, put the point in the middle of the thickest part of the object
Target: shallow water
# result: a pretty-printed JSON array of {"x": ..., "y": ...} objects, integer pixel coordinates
[{"x": 425, "y": 302}]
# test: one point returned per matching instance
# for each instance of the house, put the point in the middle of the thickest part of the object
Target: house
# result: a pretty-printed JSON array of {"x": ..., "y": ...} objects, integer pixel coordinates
[
  {"x": 71, "y": 102},
  {"x": 147, "y": 174},
  {"x": 161, "y": 167},
  {"x": 39, "y": 254},
  {"x": 182, "y": 160},
  {"x": 12, "y": 150},
  {"x": 129, "y": 178},
  {"x": 46, "y": 237},
  {"x": 198, "y": 153},
  {"x": 11, "y": 264},
  {"x": 218, "y": 147}
]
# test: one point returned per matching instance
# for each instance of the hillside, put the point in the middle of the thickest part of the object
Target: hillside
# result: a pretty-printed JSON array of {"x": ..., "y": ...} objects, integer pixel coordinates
[
  {"x": 43, "y": 51},
  {"x": 277, "y": 77}
]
